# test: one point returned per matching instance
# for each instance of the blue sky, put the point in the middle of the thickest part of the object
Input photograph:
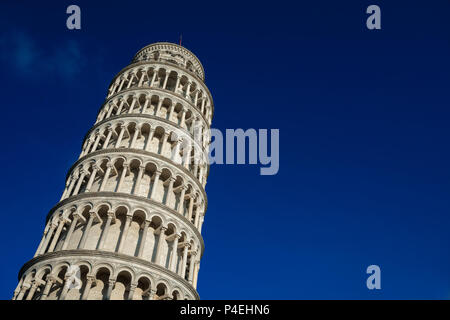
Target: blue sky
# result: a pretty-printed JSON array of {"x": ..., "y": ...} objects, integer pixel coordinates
[{"x": 363, "y": 116}]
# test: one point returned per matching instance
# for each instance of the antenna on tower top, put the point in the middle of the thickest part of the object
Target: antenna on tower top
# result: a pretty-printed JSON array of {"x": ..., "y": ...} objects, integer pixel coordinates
[{"x": 181, "y": 37}]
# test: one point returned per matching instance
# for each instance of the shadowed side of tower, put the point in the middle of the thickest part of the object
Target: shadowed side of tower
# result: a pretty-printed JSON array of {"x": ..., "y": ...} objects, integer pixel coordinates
[{"x": 128, "y": 225}]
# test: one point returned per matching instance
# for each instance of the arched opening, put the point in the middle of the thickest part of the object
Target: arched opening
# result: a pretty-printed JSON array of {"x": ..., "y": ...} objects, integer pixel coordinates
[
  {"x": 176, "y": 295},
  {"x": 161, "y": 292},
  {"x": 57, "y": 287},
  {"x": 150, "y": 253},
  {"x": 122, "y": 286},
  {"x": 99, "y": 288},
  {"x": 119, "y": 228},
  {"x": 143, "y": 289},
  {"x": 146, "y": 181}
]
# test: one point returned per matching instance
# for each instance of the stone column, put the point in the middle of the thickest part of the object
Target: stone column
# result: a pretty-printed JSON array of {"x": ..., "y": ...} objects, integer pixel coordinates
[
  {"x": 106, "y": 176},
  {"x": 164, "y": 142},
  {"x": 162, "y": 238},
  {"x": 111, "y": 284},
  {"x": 108, "y": 137},
  {"x": 183, "y": 117},
  {"x": 171, "y": 110},
  {"x": 155, "y": 72},
  {"x": 187, "y": 156},
  {"x": 92, "y": 177},
  {"x": 135, "y": 135},
  {"x": 15, "y": 293},
  {"x": 158, "y": 106},
  {"x": 150, "y": 137},
  {"x": 122, "y": 176},
  {"x": 71, "y": 185},
  {"x": 191, "y": 267},
  {"x": 137, "y": 186},
  {"x": 33, "y": 288},
  {"x": 202, "y": 174},
  {"x": 195, "y": 169},
  {"x": 174, "y": 255},
  {"x": 92, "y": 216},
  {"x": 130, "y": 110},
  {"x": 176, "y": 151},
  {"x": 69, "y": 233},
  {"x": 122, "y": 82},
  {"x": 61, "y": 224},
  {"x": 191, "y": 207},
  {"x": 197, "y": 216},
  {"x": 97, "y": 140},
  {"x": 196, "y": 97},
  {"x": 119, "y": 138},
  {"x": 42, "y": 239},
  {"x": 65, "y": 289},
  {"x": 102, "y": 114},
  {"x": 177, "y": 84},
  {"x": 143, "y": 238},
  {"x": 124, "y": 233},
  {"x": 130, "y": 81},
  {"x": 79, "y": 182},
  {"x": 203, "y": 104},
  {"x": 86, "y": 150},
  {"x": 151, "y": 294},
  {"x": 111, "y": 108},
  {"x": 147, "y": 101},
  {"x": 169, "y": 192},
  {"x": 141, "y": 81},
  {"x": 47, "y": 239},
  {"x": 183, "y": 266},
  {"x": 133, "y": 287},
  {"x": 101, "y": 244},
  {"x": 165, "y": 79},
  {"x": 87, "y": 288},
  {"x": 65, "y": 190},
  {"x": 188, "y": 89},
  {"x": 201, "y": 223},
  {"x": 22, "y": 291},
  {"x": 155, "y": 184},
  {"x": 196, "y": 269},
  {"x": 48, "y": 285},
  {"x": 181, "y": 202}
]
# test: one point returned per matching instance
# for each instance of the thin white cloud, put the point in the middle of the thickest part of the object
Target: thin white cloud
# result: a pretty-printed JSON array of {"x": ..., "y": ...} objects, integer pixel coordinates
[{"x": 21, "y": 52}]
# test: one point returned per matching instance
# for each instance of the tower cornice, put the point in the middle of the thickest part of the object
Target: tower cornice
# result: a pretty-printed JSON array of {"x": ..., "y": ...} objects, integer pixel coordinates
[{"x": 174, "y": 47}]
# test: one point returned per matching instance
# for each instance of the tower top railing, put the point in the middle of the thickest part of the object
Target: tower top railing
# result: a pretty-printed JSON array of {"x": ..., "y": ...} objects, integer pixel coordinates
[{"x": 171, "y": 53}]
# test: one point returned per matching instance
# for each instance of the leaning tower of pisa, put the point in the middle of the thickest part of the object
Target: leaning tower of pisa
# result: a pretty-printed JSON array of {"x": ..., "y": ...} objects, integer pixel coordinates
[{"x": 128, "y": 225}]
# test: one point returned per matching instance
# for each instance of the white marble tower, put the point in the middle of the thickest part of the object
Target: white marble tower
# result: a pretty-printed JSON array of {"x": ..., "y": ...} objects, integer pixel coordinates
[{"x": 128, "y": 225}]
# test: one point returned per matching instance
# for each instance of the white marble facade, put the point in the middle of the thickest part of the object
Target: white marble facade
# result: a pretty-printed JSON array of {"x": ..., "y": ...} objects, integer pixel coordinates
[{"x": 131, "y": 214}]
